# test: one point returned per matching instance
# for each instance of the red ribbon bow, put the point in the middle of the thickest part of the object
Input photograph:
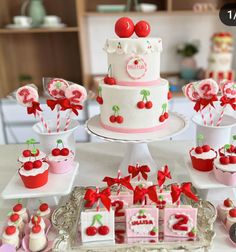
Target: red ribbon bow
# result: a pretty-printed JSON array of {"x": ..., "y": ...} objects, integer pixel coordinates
[
  {"x": 202, "y": 103},
  {"x": 135, "y": 170},
  {"x": 53, "y": 103},
  {"x": 125, "y": 181},
  {"x": 231, "y": 101},
  {"x": 185, "y": 188},
  {"x": 92, "y": 196},
  {"x": 33, "y": 109},
  {"x": 162, "y": 175},
  {"x": 74, "y": 108},
  {"x": 141, "y": 192}
]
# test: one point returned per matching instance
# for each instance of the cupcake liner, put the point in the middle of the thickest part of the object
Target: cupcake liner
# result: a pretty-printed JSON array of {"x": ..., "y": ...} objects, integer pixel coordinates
[
  {"x": 61, "y": 167},
  {"x": 224, "y": 177},
  {"x": 203, "y": 165},
  {"x": 35, "y": 181}
]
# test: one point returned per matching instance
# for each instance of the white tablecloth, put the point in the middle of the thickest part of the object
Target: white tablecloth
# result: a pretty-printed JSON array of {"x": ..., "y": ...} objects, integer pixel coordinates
[{"x": 102, "y": 159}]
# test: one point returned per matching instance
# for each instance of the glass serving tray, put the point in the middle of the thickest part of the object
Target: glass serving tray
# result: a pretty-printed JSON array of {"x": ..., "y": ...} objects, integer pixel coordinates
[{"x": 66, "y": 220}]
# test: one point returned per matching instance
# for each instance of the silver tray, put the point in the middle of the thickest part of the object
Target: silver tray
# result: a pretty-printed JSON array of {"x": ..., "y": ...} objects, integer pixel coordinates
[{"x": 66, "y": 220}]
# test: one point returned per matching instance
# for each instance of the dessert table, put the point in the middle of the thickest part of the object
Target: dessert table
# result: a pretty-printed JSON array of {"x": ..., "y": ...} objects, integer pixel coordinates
[{"x": 100, "y": 159}]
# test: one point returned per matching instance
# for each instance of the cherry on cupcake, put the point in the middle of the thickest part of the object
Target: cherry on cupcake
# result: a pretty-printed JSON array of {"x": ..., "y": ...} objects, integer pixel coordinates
[
  {"x": 142, "y": 29},
  {"x": 37, "y": 164},
  {"x": 206, "y": 148},
  {"x": 17, "y": 207},
  {"x": 103, "y": 230},
  {"x": 14, "y": 217},
  {"x": 35, "y": 219},
  {"x": 91, "y": 231},
  {"x": 224, "y": 160},
  {"x": 228, "y": 202},
  {"x": 124, "y": 27},
  {"x": 56, "y": 152},
  {"x": 35, "y": 152},
  {"x": 26, "y": 153},
  {"x": 43, "y": 207},
  {"x": 10, "y": 230},
  {"x": 232, "y": 212},
  {"x": 199, "y": 150},
  {"x": 28, "y": 165},
  {"x": 36, "y": 229},
  {"x": 232, "y": 159},
  {"x": 64, "y": 152}
]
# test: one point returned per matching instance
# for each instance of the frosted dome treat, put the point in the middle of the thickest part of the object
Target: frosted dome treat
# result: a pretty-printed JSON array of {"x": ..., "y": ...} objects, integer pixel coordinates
[
  {"x": 132, "y": 97},
  {"x": 60, "y": 160},
  {"x": 16, "y": 220},
  {"x": 44, "y": 211},
  {"x": 223, "y": 209},
  {"x": 37, "y": 220},
  {"x": 37, "y": 239},
  {"x": 22, "y": 211},
  {"x": 225, "y": 170},
  {"x": 11, "y": 236},
  {"x": 231, "y": 218},
  {"x": 34, "y": 174},
  {"x": 31, "y": 151}
]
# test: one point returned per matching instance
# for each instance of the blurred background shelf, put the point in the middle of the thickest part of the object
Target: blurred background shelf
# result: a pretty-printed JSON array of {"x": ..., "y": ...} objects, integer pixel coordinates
[{"x": 39, "y": 30}]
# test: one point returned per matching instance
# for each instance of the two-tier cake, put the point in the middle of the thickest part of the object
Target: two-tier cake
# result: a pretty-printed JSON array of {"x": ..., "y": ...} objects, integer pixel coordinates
[{"x": 132, "y": 97}]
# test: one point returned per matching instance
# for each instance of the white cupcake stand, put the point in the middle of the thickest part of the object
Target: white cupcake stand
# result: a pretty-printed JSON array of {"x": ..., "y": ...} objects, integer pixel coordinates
[
  {"x": 137, "y": 151},
  {"x": 58, "y": 185}
]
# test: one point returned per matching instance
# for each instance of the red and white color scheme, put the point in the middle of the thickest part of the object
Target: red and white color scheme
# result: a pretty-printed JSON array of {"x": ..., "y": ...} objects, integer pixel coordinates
[
  {"x": 22, "y": 211},
  {"x": 231, "y": 218},
  {"x": 17, "y": 221},
  {"x": 97, "y": 225},
  {"x": 44, "y": 211},
  {"x": 180, "y": 221},
  {"x": 134, "y": 66},
  {"x": 219, "y": 76},
  {"x": 223, "y": 209},
  {"x": 142, "y": 222},
  {"x": 11, "y": 236},
  {"x": 37, "y": 220},
  {"x": 37, "y": 238}
]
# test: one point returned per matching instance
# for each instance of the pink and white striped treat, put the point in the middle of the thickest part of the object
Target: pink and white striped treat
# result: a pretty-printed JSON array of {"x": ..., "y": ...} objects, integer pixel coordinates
[
  {"x": 26, "y": 95},
  {"x": 76, "y": 93},
  {"x": 57, "y": 87}
]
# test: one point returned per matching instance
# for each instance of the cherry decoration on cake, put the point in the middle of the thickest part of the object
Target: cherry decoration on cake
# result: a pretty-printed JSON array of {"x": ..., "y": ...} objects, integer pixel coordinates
[
  {"x": 28, "y": 152},
  {"x": 142, "y": 28},
  {"x": 124, "y": 27},
  {"x": 201, "y": 148},
  {"x": 14, "y": 217},
  {"x": 10, "y": 230},
  {"x": 228, "y": 203},
  {"x": 164, "y": 115},
  {"x": 60, "y": 152},
  {"x": 99, "y": 98},
  {"x": 108, "y": 78},
  {"x": 144, "y": 103},
  {"x": 116, "y": 117},
  {"x": 231, "y": 159},
  {"x": 43, "y": 207}
]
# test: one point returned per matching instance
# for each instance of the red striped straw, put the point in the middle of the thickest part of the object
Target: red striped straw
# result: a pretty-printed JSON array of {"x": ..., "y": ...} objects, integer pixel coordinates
[
  {"x": 58, "y": 118},
  {"x": 68, "y": 121},
  {"x": 119, "y": 186},
  {"x": 98, "y": 201},
  {"x": 203, "y": 117},
  {"x": 211, "y": 115},
  {"x": 43, "y": 122},
  {"x": 143, "y": 201},
  {"x": 221, "y": 116},
  {"x": 139, "y": 176}
]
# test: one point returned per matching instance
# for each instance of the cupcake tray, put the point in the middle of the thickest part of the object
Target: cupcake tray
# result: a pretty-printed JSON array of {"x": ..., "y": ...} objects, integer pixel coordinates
[
  {"x": 58, "y": 185},
  {"x": 66, "y": 220}
]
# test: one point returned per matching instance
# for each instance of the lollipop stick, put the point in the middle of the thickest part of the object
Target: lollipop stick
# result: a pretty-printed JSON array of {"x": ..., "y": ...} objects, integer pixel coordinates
[
  {"x": 211, "y": 116},
  {"x": 203, "y": 117},
  {"x": 221, "y": 116},
  {"x": 143, "y": 201},
  {"x": 58, "y": 118},
  {"x": 68, "y": 121},
  {"x": 43, "y": 122},
  {"x": 98, "y": 201}
]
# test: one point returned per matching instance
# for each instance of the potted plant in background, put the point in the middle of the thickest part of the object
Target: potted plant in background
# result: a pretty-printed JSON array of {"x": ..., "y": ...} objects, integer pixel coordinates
[{"x": 188, "y": 70}]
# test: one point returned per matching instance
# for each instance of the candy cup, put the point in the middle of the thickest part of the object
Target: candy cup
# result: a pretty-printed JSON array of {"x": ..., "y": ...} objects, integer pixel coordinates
[
  {"x": 57, "y": 87},
  {"x": 76, "y": 93},
  {"x": 26, "y": 95},
  {"x": 207, "y": 88},
  {"x": 190, "y": 92}
]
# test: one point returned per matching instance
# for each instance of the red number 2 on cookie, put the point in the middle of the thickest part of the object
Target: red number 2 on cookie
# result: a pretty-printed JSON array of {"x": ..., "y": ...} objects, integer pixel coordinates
[
  {"x": 118, "y": 208},
  {"x": 206, "y": 88},
  {"x": 75, "y": 97},
  {"x": 180, "y": 225}
]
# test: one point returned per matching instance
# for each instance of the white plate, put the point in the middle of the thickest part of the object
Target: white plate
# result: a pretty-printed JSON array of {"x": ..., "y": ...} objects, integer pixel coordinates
[
  {"x": 175, "y": 125},
  {"x": 15, "y": 26},
  {"x": 61, "y": 25}
]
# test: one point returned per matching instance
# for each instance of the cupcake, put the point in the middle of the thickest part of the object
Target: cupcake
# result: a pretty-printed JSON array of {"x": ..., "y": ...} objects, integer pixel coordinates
[
  {"x": 22, "y": 211},
  {"x": 225, "y": 170},
  {"x": 17, "y": 221},
  {"x": 223, "y": 209},
  {"x": 37, "y": 220},
  {"x": 202, "y": 158},
  {"x": 37, "y": 238},
  {"x": 34, "y": 174},
  {"x": 31, "y": 151},
  {"x": 11, "y": 236},
  {"x": 44, "y": 211},
  {"x": 60, "y": 160},
  {"x": 231, "y": 218}
]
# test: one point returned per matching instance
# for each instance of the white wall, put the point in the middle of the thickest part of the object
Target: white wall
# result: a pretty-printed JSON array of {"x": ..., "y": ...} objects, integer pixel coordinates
[{"x": 172, "y": 29}]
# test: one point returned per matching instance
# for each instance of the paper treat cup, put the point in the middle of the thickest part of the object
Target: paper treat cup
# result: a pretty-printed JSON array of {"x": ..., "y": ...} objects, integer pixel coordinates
[
  {"x": 203, "y": 165},
  {"x": 35, "y": 181},
  {"x": 226, "y": 178},
  {"x": 61, "y": 167}
]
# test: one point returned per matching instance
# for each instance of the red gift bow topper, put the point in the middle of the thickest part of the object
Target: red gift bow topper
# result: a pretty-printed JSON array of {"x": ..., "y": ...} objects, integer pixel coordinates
[
  {"x": 125, "y": 181},
  {"x": 185, "y": 188},
  {"x": 140, "y": 193},
  {"x": 162, "y": 175},
  {"x": 225, "y": 101},
  {"x": 92, "y": 196},
  {"x": 65, "y": 104},
  {"x": 34, "y": 108},
  {"x": 136, "y": 170},
  {"x": 202, "y": 103}
]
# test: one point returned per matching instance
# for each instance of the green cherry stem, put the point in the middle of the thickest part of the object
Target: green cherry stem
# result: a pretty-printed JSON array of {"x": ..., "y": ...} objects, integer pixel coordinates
[
  {"x": 164, "y": 106},
  {"x": 97, "y": 218},
  {"x": 99, "y": 91},
  {"x": 116, "y": 110},
  {"x": 109, "y": 71}
]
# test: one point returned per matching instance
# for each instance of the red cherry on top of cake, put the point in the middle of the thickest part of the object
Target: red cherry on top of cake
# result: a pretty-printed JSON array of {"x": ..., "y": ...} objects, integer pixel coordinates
[
  {"x": 228, "y": 202},
  {"x": 14, "y": 217},
  {"x": 10, "y": 230},
  {"x": 62, "y": 152},
  {"x": 225, "y": 160},
  {"x": 109, "y": 80},
  {"x": 35, "y": 219},
  {"x": 232, "y": 212},
  {"x": 142, "y": 29},
  {"x": 43, "y": 207},
  {"x": 30, "y": 165},
  {"x": 201, "y": 149},
  {"x": 28, "y": 153},
  {"x": 36, "y": 229},
  {"x": 124, "y": 27},
  {"x": 17, "y": 207}
]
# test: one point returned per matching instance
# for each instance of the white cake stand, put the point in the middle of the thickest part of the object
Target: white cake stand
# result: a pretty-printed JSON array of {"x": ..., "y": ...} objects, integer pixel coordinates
[{"x": 137, "y": 149}]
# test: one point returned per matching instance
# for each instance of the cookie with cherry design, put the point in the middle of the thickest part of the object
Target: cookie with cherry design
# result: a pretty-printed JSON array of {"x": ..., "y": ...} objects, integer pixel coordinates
[
  {"x": 61, "y": 159},
  {"x": 202, "y": 156}
]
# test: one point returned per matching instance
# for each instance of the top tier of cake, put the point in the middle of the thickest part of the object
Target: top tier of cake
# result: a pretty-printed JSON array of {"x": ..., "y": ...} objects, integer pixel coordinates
[{"x": 134, "y": 61}]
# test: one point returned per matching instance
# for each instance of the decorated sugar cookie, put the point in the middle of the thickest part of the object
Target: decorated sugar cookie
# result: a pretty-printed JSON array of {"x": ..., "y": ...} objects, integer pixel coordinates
[
  {"x": 207, "y": 88},
  {"x": 228, "y": 89},
  {"x": 76, "y": 94},
  {"x": 56, "y": 88},
  {"x": 26, "y": 95}
]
